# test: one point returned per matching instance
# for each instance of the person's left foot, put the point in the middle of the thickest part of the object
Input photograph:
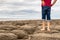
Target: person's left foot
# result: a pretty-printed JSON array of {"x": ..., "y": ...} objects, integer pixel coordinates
[
  {"x": 48, "y": 30},
  {"x": 42, "y": 29}
]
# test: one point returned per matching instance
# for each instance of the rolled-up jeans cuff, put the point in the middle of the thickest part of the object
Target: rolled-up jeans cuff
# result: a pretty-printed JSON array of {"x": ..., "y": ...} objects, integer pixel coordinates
[{"x": 45, "y": 20}]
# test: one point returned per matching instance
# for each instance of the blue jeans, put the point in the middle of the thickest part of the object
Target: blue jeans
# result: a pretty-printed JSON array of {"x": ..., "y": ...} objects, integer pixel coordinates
[{"x": 46, "y": 11}]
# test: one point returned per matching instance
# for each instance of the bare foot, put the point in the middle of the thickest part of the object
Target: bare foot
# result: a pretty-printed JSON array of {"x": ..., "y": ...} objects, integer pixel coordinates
[
  {"x": 42, "y": 29},
  {"x": 48, "y": 30}
]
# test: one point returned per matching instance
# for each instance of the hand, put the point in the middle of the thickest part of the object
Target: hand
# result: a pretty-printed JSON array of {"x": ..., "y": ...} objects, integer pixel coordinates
[
  {"x": 43, "y": 3},
  {"x": 53, "y": 2},
  {"x": 52, "y": 5}
]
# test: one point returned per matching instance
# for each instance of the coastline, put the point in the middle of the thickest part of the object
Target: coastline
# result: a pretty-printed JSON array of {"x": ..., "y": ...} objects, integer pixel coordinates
[{"x": 17, "y": 19}]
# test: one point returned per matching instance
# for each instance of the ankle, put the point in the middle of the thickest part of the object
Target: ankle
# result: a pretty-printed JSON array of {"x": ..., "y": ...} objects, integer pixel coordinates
[{"x": 48, "y": 28}]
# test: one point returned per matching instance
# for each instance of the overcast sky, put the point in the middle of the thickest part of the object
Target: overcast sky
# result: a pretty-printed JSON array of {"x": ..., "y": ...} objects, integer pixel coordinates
[{"x": 26, "y": 9}]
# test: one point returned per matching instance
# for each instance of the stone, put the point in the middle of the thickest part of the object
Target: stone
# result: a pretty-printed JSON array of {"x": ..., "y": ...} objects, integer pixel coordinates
[
  {"x": 45, "y": 36},
  {"x": 7, "y": 27},
  {"x": 4, "y": 31},
  {"x": 7, "y": 36},
  {"x": 20, "y": 33},
  {"x": 29, "y": 29}
]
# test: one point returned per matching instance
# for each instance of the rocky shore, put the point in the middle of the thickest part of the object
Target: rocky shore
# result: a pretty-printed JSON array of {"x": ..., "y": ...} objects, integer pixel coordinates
[{"x": 28, "y": 30}]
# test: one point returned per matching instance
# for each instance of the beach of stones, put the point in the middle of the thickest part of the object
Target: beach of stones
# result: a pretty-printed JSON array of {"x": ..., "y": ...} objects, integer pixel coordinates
[{"x": 28, "y": 30}]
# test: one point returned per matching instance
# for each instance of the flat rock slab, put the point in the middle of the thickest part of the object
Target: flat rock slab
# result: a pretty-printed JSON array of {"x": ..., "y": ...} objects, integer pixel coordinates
[{"x": 45, "y": 36}]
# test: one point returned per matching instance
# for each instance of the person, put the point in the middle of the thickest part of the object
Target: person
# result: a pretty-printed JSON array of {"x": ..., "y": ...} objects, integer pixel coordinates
[{"x": 46, "y": 12}]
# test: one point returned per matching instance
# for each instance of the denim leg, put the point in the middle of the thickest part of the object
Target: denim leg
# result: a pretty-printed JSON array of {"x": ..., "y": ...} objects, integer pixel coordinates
[
  {"x": 43, "y": 13},
  {"x": 48, "y": 13}
]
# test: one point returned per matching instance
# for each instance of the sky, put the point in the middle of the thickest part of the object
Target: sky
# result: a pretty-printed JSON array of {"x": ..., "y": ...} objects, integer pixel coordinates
[{"x": 26, "y": 9}]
